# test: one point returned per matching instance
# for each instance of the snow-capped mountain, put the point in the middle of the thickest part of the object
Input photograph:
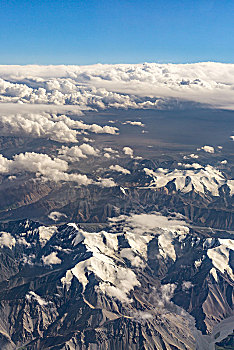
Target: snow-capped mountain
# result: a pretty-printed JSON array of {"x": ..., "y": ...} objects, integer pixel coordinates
[{"x": 144, "y": 281}]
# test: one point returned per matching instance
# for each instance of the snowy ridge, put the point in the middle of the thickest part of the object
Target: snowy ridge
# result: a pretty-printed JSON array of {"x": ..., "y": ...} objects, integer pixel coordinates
[
  {"x": 203, "y": 179},
  {"x": 108, "y": 260}
]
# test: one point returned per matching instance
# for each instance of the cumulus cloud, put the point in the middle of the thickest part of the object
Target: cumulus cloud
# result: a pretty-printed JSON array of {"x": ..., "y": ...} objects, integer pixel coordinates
[
  {"x": 224, "y": 161},
  {"x": 74, "y": 153},
  {"x": 71, "y": 154},
  {"x": 59, "y": 128},
  {"x": 65, "y": 91},
  {"x": 51, "y": 259},
  {"x": 107, "y": 155},
  {"x": 135, "y": 123},
  {"x": 119, "y": 169},
  {"x": 106, "y": 183},
  {"x": 88, "y": 150},
  {"x": 35, "y": 126},
  {"x": 48, "y": 168},
  {"x": 86, "y": 139},
  {"x": 128, "y": 151},
  {"x": 110, "y": 150},
  {"x": 192, "y": 155},
  {"x": 7, "y": 240},
  {"x": 208, "y": 149},
  {"x": 42, "y": 165}
]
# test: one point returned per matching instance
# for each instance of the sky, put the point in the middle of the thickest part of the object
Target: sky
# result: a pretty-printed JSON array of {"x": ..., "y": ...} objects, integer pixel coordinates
[{"x": 120, "y": 31}]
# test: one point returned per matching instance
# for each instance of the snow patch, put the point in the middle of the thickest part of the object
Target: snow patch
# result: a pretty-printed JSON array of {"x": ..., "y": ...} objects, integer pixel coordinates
[{"x": 32, "y": 296}]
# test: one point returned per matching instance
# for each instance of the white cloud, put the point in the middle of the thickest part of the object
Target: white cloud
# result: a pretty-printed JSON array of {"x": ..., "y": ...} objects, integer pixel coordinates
[
  {"x": 110, "y": 150},
  {"x": 89, "y": 150},
  {"x": 51, "y": 126},
  {"x": 149, "y": 222},
  {"x": 120, "y": 169},
  {"x": 7, "y": 240},
  {"x": 192, "y": 155},
  {"x": 208, "y": 149},
  {"x": 42, "y": 165},
  {"x": 48, "y": 168},
  {"x": 85, "y": 139},
  {"x": 107, "y": 155},
  {"x": 191, "y": 166},
  {"x": 128, "y": 151},
  {"x": 224, "y": 161},
  {"x": 119, "y": 86},
  {"x": 133, "y": 258},
  {"x": 134, "y": 123},
  {"x": 51, "y": 259},
  {"x": 56, "y": 215},
  {"x": 35, "y": 126},
  {"x": 186, "y": 285},
  {"x": 167, "y": 291},
  {"x": 106, "y": 183},
  {"x": 74, "y": 153}
]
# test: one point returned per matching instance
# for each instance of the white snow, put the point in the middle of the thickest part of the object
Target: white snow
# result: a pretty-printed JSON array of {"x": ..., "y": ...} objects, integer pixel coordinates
[
  {"x": 165, "y": 242},
  {"x": 123, "y": 190},
  {"x": 33, "y": 296},
  {"x": 116, "y": 280},
  {"x": 220, "y": 256},
  {"x": 45, "y": 233},
  {"x": 204, "y": 178},
  {"x": 107, "y": 261}
]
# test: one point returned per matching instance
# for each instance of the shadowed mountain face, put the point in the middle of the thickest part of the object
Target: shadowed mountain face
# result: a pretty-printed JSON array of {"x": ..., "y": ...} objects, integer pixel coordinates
[{"x": 119, "y": 236}]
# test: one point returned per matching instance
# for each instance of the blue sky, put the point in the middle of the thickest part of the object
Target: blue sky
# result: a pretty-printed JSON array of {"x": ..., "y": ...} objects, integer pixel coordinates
[{"x": 130, "y": 31}]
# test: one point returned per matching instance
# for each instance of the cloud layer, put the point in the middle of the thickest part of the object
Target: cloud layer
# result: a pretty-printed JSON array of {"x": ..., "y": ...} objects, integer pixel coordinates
[{"x": 147, "y": 85}]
